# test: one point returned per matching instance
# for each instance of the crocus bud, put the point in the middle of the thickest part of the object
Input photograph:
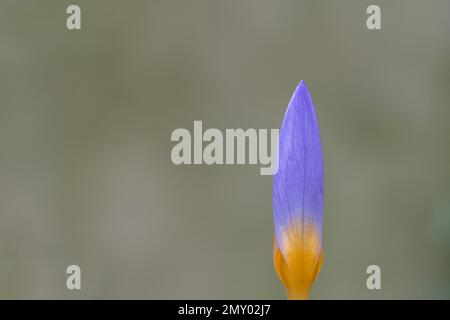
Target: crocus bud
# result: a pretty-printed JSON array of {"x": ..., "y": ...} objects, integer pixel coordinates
[{"x": 298, "y": 197}]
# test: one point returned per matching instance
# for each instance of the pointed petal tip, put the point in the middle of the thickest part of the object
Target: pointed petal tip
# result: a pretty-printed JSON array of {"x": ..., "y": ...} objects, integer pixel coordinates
[
  {"x": 300, "y": 103},
  {"x": 301, "y": 90},
  {"x": 302, "y": 85}
]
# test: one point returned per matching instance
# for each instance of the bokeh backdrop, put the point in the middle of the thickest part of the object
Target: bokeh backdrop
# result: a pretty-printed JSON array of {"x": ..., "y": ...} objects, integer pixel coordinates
[{"x": 86, "y": 116}]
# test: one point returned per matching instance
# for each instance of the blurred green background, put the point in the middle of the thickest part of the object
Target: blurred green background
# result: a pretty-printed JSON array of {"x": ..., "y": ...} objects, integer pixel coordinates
[{"x": 86, "y": 117}]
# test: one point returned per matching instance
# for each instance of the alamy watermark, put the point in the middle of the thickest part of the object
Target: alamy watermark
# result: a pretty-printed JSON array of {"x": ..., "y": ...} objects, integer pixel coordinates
[
  {"x": 236, "y": 146},
  {"x": 73, "y": 281},
  {"x": 374, "y": 279}
]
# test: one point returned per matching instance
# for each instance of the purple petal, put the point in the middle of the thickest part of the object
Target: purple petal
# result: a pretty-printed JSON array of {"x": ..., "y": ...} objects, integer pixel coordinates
[{"x": 298, "y": 184}]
